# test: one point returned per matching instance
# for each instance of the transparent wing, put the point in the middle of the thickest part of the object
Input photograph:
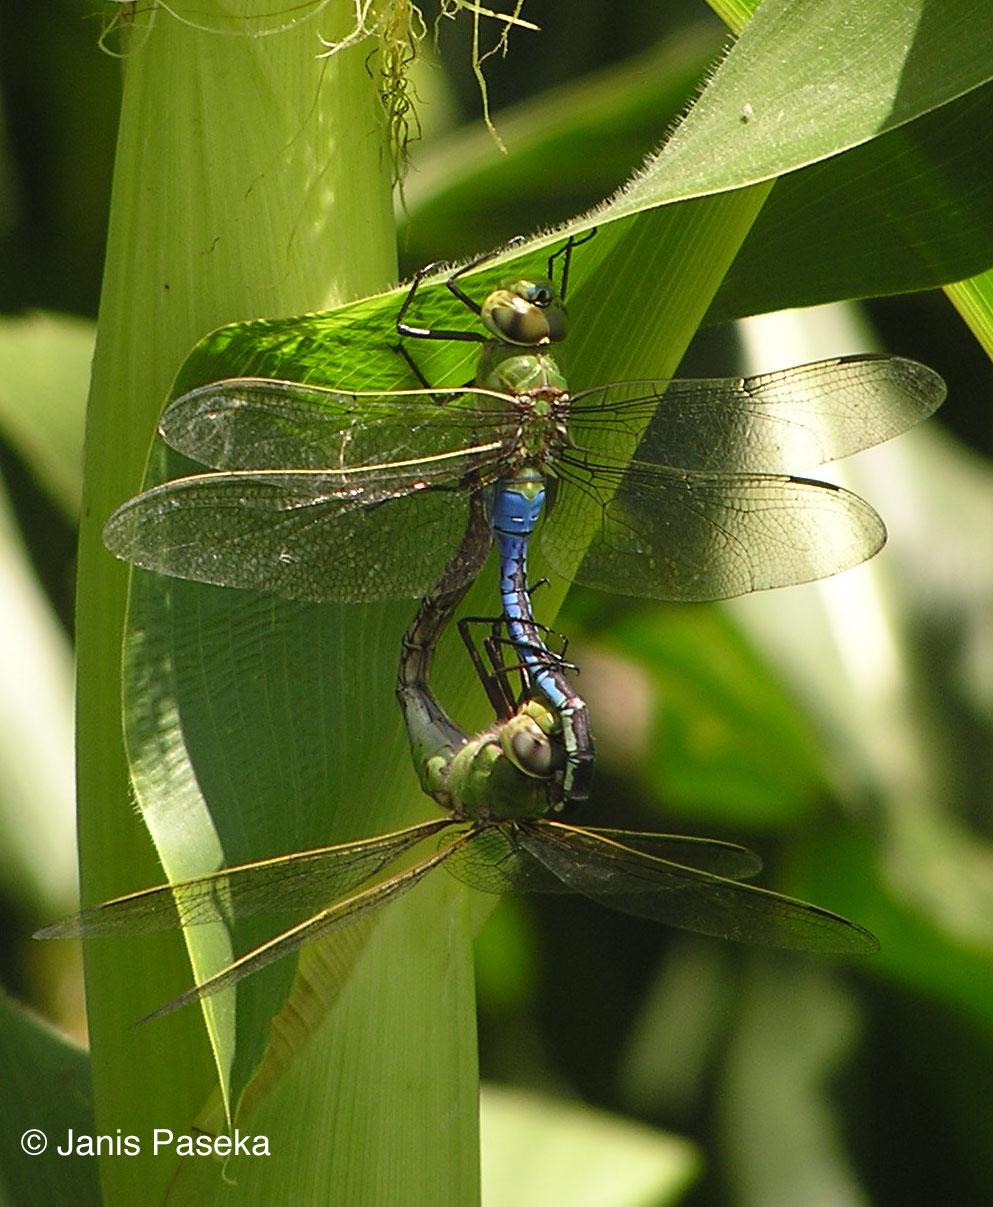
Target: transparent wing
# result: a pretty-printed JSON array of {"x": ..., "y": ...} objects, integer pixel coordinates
[
  {"x": 496, "y": 862},
  {"x": 258, "y": 423},
  {"x": 311, "y": 535},
  {"x": 342, "y": 913},
  {"x": 665, "y": 533},
  {"x": 316, "y": 501},
  {"x": 708, "y": 854},
  {"x": 636, "y": 882},
  {"x": 303, "y": 880},
  {"x": 778, "y": 423}
]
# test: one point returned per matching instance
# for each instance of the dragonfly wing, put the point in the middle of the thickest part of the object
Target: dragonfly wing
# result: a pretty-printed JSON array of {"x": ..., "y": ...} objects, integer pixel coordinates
[
  {"x": 258, "y": 423},
  {"x": 300, "y": 881},
  {"x": 637, "y": 883},
  {"x": 721, "y": 858},
  {"x": 342, "y": 913},
  {"x": 312, "y": 535},
  {"x": 671, "y": 534},
  {"x": 496, "y": 862},
  {"x": 493, "y": 862},
  {"x": 779, "y": 422}
]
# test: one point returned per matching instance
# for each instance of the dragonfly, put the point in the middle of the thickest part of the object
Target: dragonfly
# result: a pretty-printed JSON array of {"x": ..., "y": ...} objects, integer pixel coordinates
[
  {"x": 497, "y": 834},
  {"x": 667, "y": 489}
]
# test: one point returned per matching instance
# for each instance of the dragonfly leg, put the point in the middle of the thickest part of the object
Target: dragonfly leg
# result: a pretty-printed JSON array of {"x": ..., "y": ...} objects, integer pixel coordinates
[
  {"x": 563, "y": 640},
  {"x": 494, "y": 680},
  {"x": 405, "y": 328},
  {"x": 565, "y": 251},
  {"x": 412, "y": 364},
  {"x": 460, "y": 293}
]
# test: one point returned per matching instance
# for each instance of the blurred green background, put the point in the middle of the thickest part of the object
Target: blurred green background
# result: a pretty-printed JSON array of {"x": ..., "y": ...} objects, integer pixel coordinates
[{"x": 843, "y": 731}]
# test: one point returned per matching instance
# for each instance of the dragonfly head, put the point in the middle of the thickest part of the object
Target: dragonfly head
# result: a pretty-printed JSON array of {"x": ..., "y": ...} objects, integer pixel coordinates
[
  {"x": 527, "y": 313},
  {"x": 511, "y": 770},
  {"x": 532, "y": 740}
]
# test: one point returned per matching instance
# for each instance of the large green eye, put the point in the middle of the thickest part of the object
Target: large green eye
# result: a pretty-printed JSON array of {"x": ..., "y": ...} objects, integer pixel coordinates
[
  {"x": 526, "y": 313},
  {"x": 528, "y": 747},
  {"x": 528, "y": 742}
]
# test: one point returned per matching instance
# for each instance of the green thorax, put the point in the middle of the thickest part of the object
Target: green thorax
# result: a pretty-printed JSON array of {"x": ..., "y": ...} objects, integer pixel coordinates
[
  {"x": 540, "y": 433},
  {"x": 512, "y": 370}
]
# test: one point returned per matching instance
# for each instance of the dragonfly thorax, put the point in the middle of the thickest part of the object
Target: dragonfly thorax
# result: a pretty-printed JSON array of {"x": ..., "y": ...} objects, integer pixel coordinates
[
  {"x": 509, "y": 370},
  {"x": 529, "y": 314},
  {"x": 541, "y": 435}
]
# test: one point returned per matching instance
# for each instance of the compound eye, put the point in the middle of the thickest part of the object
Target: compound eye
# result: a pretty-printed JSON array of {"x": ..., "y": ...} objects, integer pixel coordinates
[
  {"x": 529, "y": 747},
  {"x": 526, "y": 313},
  {"x": 532, "y": 751}
]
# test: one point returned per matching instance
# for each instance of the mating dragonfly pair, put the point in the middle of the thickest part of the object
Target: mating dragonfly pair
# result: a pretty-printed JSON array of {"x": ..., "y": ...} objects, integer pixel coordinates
[{"x": 315, "y": 493}]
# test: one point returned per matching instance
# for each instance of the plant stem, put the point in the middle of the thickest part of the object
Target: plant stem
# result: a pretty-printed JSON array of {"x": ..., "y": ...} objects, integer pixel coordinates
[{"x": 251, "y": 179}]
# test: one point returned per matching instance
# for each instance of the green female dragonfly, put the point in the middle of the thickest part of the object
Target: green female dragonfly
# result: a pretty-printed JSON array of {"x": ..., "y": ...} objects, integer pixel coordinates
[{"x": 498, "y": 790}]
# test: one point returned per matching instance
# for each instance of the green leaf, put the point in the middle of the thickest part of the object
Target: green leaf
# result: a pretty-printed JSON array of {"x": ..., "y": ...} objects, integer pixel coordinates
[
  {"x": 819, "y": 77},
  {"x": 907, "y": 211},
  {"x": 540, "y": 1151},
  {"x": 867, "y": 65},
  {"x": 213, "y": 221},
  {"x": 44, "y": 368},
  {"x": 568, "y": 148},
  {"x": 37, "y": 849},
  {"x": 974, "y": 301},
  {"x": 881, "y": 198},
  {"x": 44, "y": 1088}
]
